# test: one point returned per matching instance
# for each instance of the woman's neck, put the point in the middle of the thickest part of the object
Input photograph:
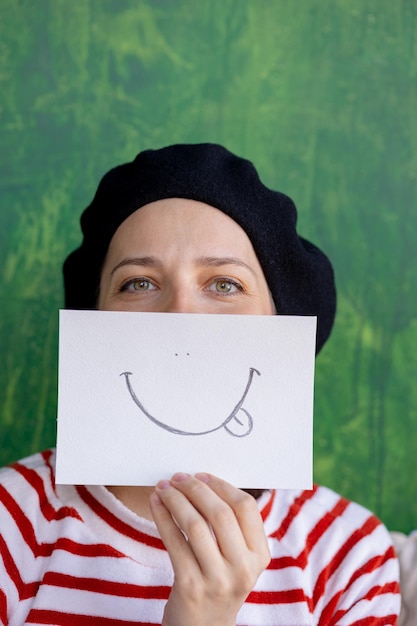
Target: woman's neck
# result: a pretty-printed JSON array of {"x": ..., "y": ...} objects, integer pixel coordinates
[{"x": 134, "y": 498}]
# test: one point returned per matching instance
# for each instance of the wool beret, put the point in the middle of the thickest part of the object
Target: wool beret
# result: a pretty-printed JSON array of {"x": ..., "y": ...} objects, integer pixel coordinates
[{"x": 299, "y": 275}]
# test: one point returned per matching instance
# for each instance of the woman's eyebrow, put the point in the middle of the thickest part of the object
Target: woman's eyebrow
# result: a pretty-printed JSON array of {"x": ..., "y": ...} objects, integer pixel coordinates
[
  {"x": 204, "y": 261},
  {"x": 214, "y": 261},
  {"x": 143, "y": 261}
]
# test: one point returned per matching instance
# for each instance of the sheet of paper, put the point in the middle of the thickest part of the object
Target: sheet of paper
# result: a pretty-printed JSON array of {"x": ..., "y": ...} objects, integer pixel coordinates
[{"x": 144, "y": 395}]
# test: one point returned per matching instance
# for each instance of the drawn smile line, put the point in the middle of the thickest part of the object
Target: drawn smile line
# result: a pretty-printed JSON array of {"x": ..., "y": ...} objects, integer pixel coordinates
[{"x": 225, "y": 424}]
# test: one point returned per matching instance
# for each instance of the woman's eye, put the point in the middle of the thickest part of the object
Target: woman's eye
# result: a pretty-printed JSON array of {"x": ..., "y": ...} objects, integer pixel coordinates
[
  {"x": 138, "y": 284},
  {"x": 225, "y": 286}
]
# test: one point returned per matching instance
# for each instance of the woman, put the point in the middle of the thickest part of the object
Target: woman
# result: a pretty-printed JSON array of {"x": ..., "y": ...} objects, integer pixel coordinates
[{"x": 191, "y": 228}]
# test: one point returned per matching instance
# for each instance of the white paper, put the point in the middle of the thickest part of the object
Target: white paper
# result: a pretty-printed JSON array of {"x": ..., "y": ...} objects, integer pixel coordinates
[{"x": 145, "y": 395}]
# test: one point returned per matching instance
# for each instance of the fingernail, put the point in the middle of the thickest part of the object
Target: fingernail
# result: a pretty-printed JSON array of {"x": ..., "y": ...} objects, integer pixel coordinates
[
  {"x": 180, "y": 477},
  {"x": 156, "y": 499},
  {"x": 163, "y": 484},
  {"x": 203, "y": 477}
]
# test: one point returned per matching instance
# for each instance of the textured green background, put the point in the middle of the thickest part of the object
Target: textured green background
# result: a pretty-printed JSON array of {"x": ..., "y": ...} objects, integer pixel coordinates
[{"x": 321, "y": 94}]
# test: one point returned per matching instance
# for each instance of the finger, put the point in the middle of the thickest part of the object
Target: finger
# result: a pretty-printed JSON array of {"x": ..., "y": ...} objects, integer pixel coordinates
[
  {"x": 215, "y": 516},
  {"x": 245, "y": 509},
  {"x": 172, "y": 537},
  {"x": 175, "y": 514}
]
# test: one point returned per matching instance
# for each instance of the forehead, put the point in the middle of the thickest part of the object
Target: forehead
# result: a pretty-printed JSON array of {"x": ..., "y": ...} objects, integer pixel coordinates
[{"x": 180, "y": 220}]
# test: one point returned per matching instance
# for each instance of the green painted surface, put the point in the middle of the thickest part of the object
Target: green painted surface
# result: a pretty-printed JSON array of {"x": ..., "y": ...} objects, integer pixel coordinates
[{"x": 321, "y": 95}]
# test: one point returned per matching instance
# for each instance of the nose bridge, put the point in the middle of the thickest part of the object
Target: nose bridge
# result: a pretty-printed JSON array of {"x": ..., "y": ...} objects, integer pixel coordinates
[{"x": 181, "y": 299}]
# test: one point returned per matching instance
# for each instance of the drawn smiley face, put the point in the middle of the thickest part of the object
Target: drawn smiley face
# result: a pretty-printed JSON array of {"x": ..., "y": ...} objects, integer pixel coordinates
[{"x": 238, "y": 422}]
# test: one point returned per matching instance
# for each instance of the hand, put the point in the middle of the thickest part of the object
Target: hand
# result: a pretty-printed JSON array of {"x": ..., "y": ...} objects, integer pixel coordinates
[{"x": 217, "y": 547}]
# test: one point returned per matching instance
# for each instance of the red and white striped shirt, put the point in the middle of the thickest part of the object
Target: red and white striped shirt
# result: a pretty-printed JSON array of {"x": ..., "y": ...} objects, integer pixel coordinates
[{"x": 76, "y": 556}]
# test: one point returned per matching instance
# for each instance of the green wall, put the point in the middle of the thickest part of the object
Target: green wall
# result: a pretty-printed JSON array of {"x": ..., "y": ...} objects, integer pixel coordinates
[{"x": 321, "y": 94}]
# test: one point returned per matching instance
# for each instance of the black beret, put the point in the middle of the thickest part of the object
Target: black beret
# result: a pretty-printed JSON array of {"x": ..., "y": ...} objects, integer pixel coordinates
[{"x": 299, "y": 275}]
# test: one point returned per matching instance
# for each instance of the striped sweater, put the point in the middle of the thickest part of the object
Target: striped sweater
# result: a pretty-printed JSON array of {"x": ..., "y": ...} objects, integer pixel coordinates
[{"x": 75, "y": 556}]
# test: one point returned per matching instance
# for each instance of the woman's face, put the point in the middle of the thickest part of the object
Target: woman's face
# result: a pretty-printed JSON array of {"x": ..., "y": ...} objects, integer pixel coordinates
[{"x": 183, "y": 256}]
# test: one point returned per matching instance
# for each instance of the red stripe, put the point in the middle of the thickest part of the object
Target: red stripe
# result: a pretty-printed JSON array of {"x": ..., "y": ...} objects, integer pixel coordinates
[
  {"x": 24, "y": 525},
  {"x": 25, "y": 590},
  {"x": 37, "y": 616},
  {"x": 35, "y": 481},
  {"x": 283, "y": 562},
  {"x": 268, "y": 506},
  {"x": 85, "y": 549},
  {"x": 315, "y": 535},
  {"x": 10, "y": 565},
  {"x": 367, "y": 529},
  {"x": 116, "y": 523},
  {"x": 326, "y": 521},
  {"x": 47, "y": 455},
  {"x": 293, "y": 512},
  {"x": 106, "y": 587},
  {"x": 368, "y": 567},
  {"x": 289, "y": 596},
  {"x": 45, "y": 549},
  {"x": 379, "y": 590},
  {"x": 3, "y": 608},
  {"x": 388, "y": 620},
  {"x": 29, "y": 590},
  {"x": 375, "y": 563}
]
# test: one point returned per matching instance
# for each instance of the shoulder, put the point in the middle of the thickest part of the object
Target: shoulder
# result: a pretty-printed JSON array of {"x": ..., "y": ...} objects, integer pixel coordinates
[
  {"x": 341, "y": 547},
  {"x": 34, "y": 474},
  {"x": 322, "y": 511},
  {"x": 41, "y": 461},
  {"x": 323, "y": 523},
  {"x": 24, "y": 474},
  {"x": 27, "y": 490}
]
